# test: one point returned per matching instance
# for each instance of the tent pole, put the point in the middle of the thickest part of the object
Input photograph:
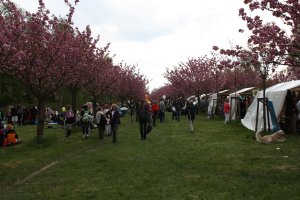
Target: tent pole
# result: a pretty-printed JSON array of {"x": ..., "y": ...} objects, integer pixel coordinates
[
  {"x": 256, "y": 119},
  {"x": 230, "y": 108},
  {"x": 268, "y": 114}
]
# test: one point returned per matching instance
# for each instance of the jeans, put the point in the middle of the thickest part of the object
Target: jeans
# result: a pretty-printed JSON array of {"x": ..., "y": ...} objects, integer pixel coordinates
[
  {"x": 227, "y": 115},
  {"x": 162, "y": 116},
  {"x": 191, "y": 125}
]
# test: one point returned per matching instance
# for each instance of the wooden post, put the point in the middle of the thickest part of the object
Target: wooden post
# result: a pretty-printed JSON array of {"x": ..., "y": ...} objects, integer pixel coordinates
[{"x": 264, "y": 101}]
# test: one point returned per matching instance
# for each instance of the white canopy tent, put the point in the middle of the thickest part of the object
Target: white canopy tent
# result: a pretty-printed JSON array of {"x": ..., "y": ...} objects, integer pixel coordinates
[
  {"x": 276, "y": 94},
  {"x": 211, "y": 101},
  {"x": 233, "y": 105}
]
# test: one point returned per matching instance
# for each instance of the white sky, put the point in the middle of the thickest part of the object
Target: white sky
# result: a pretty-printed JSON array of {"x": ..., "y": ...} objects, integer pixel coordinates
[{"x": 155, "y": 34}]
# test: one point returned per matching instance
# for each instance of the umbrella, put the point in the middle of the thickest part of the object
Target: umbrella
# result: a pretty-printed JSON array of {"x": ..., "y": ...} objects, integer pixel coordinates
[{"x": 123, "y": 108}]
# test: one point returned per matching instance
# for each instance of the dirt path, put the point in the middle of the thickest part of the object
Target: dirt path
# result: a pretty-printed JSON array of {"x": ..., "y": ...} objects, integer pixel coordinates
[
  {"x": 36, "y": 173},
  {"x": 63, "y": 158}
]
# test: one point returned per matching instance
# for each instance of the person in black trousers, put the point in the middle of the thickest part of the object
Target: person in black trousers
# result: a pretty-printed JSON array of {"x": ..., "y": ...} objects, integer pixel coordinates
[
  {"x": 191, "y": 114},
  {"x": 86, "y": 116},
  {"x": 101, "y": 122},
  {"x": 114, "y": 117},
  {"x": 143, "y": 119}
]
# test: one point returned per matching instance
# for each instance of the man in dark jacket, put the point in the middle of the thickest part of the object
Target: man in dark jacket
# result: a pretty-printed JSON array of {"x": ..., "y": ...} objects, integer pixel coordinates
[
  {"x": 114, "y": 117},
  {"x": 143, "y": 119}
]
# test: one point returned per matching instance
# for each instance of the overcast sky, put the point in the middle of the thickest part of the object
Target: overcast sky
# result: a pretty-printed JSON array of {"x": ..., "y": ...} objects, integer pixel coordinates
[{"x": 155, "y": 34}]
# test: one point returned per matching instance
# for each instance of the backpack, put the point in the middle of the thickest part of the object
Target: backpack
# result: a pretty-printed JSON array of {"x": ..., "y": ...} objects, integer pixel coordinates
[{"x": 86, "y": 117}]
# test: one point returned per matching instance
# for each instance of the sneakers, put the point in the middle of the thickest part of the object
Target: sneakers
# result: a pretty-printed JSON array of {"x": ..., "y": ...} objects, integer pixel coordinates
[{"x": 84, "y": 136}]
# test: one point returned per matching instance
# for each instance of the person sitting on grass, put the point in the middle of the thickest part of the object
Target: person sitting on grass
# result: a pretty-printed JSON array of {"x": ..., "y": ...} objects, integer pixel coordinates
[{"x": 10, "y": 136}]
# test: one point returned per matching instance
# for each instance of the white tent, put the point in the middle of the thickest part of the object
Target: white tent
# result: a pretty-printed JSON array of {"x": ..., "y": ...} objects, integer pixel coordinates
[
  {"x": 233, "y": 106},
  {"x": 276, "y": 94},
  {"x": 211, "y": 103}
]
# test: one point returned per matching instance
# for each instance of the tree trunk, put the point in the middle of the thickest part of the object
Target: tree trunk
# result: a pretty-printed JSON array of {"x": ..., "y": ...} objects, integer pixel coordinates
[
  {"x": 264, "y": 102},
  {"x": 122, "y": 101},
  {"x": 40, "y": 124},
  {"x": 95, "y": 99},
  {"x": 74, "y": 99},
  {"x": 198, "y": 99}
]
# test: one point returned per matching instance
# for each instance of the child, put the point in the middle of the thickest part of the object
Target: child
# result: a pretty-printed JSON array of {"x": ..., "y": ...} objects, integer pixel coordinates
[
  {"x": 69, "y": 121},
  {"x": 10, "y": 136}
]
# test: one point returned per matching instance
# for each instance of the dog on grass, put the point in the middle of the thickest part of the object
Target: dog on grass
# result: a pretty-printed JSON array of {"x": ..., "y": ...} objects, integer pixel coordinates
[{"x": 275, "y": 137}]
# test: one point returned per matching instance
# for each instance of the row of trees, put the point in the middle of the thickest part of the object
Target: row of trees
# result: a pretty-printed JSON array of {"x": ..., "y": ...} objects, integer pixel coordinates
[
  {"x": 258, "y": 63},
  {"x": 46, "y": 53}
]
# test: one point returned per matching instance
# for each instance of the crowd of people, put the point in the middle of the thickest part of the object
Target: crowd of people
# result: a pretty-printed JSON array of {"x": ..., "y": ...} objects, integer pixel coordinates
[
  {"x": 107, "y": 117},
  {"x": 19, "y": 115},
  {"x": 147, "y": 113}
]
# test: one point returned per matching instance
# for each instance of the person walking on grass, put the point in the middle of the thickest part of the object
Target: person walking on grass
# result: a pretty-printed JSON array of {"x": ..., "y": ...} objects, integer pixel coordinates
[
  {"x": 191, "y": 114},
  {"x": 114, "y": 117},
  {"x": 162, "y": 111},
  {"x": 143, "y": 120},
  {"x": 101, "y": 121},
  {"x": 69, "y": 121},
  {"x": 155, "y": 109},
  {"x": 86, "y": 117},
  {"x": 226, "y": 110}
]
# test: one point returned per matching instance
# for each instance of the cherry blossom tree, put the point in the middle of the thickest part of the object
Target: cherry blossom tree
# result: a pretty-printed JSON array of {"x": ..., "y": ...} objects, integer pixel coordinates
[
  {"x": 197, "y": 76},
  {"x": 12, "y": 34},
  {"x": 288, "y": 12},
  {"x": 217, "y": 71},
  {"x": 167, "y": 90},
  {"x": 240, "y": 77},
  {"x": 177, "y": 79},
  {"x": 237, "y": 76},
  {"x": 200, "y": 75},
  {"x": 293, "y": 73},
  {"x": 81, "y": 54},
  {"x": 132, "y": 85},
  {"x": 157, "y": 93},
  {"x": 102, "y": 75},
  {"x": 34, "y": 51}
]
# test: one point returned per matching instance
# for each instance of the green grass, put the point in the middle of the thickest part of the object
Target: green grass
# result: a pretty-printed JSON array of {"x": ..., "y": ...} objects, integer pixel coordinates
[{"x": 216, "y": 162}]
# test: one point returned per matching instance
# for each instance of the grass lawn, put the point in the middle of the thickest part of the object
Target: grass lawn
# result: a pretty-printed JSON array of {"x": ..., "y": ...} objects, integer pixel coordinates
[{"x": 216, "y": 162}]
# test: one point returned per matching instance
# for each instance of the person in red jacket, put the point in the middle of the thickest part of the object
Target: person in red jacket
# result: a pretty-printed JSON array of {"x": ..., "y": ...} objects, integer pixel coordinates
[
  {"x": 226, "y": 110},
  {"x": 155, "y": 110}
]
